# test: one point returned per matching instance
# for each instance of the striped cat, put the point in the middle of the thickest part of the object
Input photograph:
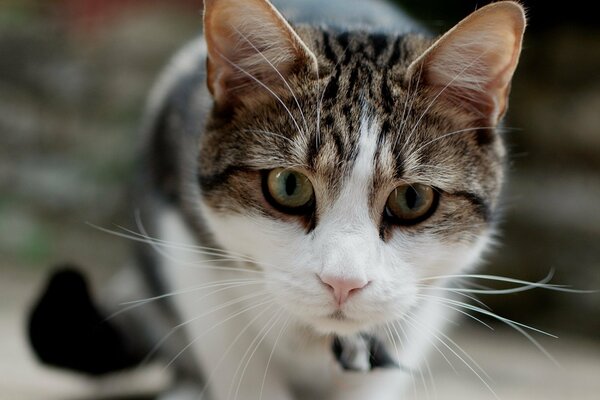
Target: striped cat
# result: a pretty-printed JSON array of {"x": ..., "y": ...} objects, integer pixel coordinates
[{"x": 316, "y": 185}]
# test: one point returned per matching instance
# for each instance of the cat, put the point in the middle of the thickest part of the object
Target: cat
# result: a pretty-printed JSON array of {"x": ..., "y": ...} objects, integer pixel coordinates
[{"x": 307, "y": 185}]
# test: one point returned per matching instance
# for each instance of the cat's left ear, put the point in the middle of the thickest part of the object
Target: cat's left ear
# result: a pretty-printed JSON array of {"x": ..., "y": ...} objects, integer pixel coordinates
[
  {"x": 472, "y": 64},
  {"x": 252, "y": 49}
]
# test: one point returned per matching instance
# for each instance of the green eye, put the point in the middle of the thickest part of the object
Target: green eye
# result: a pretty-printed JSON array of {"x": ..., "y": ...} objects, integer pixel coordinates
[
  {"x": 288, "y": 190},
  {"x": 411, "y": 204}
]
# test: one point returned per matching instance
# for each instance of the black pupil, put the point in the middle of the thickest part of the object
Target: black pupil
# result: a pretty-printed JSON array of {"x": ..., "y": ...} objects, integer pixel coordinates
[
  {"x": 412, "y": 197},
  {"x": 290, "y": 184}
]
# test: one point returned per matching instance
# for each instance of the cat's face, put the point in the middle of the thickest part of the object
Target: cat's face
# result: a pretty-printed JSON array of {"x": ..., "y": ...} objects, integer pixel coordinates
[{"x": 353, "y": 167}]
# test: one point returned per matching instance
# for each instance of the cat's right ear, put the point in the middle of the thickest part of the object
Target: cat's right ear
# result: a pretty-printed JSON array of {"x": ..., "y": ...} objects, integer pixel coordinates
[{"x": 251, "y": 49}]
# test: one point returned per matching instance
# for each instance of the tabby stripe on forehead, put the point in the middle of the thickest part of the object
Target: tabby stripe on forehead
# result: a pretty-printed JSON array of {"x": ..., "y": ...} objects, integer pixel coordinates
[
  {"x": 380, "y": 44},
  {"x": 352, "y": 81},
  {"x": 344, "y": 43},
  {"x": 331, "y": 90},
  {"x": 480, "y": 205},
  {"x": 327, "y": 50},
  {"x": 386, "y": 94},
  {"x": 396, "y": 53}
]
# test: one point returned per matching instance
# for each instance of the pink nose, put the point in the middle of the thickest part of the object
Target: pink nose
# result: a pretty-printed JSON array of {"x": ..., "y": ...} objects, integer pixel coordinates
[{"x": 343, "y": 287}]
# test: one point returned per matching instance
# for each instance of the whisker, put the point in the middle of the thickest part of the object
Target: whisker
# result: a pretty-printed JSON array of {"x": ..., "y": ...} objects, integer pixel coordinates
[
  {"x": 527, "y": 285},
  {"x": 410, "y": 370},
  {"x": 142, "y": 229},
  {"x": 456, "y": 291},
  {"x": 456, "y": 309},
  {"x": 227, "y": 282},
  {"x": 518, "y": 326},
  {"x": 431, "y": 343},
  {"x": 153, "y": 244},
  {"x": 465, "y": 353},
  {"x": 469, "y": 366},
  {"x": 283, "y": 328},
  {"x": 259, "y": 337},
  {"x": 182, "y": 324},
  {"x": 132, "y": 305},
  {"x": 244, "y": 310},
  {"x": 489, "y": 313},
  {"x": 235, "y": 340},
  {"x": 242, "y": 258},
  {"x": 184, "y": 246}
]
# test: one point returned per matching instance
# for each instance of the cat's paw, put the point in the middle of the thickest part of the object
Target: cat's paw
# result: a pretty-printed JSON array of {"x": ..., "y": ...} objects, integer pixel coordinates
[{"x": 362, "y": 353}]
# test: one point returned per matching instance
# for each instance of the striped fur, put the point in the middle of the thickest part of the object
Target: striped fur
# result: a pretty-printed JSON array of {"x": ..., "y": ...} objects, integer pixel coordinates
[
  {"x": 359, "y": 112},
  {"x": 358, "y": 68}
]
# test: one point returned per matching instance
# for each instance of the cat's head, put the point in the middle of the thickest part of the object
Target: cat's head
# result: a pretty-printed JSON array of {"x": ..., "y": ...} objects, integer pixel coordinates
[{"x": 352, "y": 166}]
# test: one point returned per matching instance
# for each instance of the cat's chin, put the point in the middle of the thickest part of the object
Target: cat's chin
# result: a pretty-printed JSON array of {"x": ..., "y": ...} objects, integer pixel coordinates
[{"x": 339, "y": 324}]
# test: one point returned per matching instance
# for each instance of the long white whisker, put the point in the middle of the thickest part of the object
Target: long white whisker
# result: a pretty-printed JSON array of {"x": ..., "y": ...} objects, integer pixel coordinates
[
  {"x": 237, "y": 391},
  {"x": 213, "y": 327},
  {"x": 214, "y": 309},
  {"x": 183, "y": 246},
  {"x": 140, "y": 225},
  {"x": 456, "y": 309},
  {"x": 457, "y": 291},
  {"x": 452, "y": 342},
  {"x": 482, "y": 379},
  {"x": 430, "y": 342},
  {"x": 197, "y": 264},
  {"x": 542, "y": 284},
  {"x": 258, "y": 337},
  {"x": 235, "y": 340},
  {"x": 283, "y": 328},
  {"x": 409, "y": 369},
  {"x": 132, "y": 305},
  {"x": 226, "y": 282},
  {"x": 488, "y": 313}
]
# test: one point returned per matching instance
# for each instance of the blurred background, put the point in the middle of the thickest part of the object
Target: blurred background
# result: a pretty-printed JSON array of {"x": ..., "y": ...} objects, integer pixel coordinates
[{"x": 74, "y": 75}]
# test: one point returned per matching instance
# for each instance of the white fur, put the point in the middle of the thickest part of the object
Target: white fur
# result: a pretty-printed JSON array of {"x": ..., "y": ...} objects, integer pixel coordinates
[{"x": 297, "y": 306}]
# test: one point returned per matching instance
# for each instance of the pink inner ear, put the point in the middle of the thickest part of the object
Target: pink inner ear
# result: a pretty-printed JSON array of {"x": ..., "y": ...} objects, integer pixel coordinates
[
  {"x": 250, "y": 46},
  {"x": 474, "y": 62}
]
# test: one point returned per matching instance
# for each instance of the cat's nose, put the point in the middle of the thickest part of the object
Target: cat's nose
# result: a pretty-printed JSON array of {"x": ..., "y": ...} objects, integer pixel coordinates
[{"x": 342, "y": 288}]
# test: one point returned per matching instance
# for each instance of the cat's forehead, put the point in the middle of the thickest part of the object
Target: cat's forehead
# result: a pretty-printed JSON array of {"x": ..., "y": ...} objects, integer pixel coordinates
[{"x": 359, "y": 103}]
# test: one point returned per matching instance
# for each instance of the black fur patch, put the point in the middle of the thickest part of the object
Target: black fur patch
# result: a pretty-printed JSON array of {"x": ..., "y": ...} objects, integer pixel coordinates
[
  {"x": 67, "y": 330},
  {"x": 345, "y": 350}
]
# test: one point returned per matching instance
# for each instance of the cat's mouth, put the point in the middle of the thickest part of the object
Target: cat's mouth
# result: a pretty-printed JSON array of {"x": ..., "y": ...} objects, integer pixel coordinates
[{"x": 338, "y": 322}]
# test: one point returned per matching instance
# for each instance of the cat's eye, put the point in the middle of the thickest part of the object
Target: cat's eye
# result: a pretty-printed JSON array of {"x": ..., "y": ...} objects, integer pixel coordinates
[
  {"x": 411, "y": 203},
  {"x": 288, "y": 191}
]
